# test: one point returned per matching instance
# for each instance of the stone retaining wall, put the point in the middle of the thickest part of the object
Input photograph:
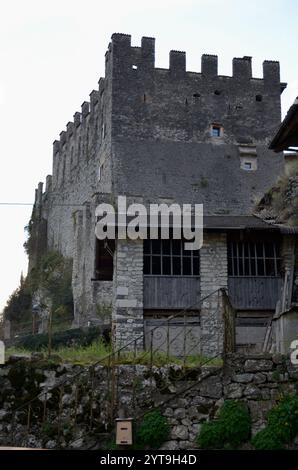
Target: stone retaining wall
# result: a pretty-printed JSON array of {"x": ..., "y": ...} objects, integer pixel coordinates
[{"x": 186, "y": 400}]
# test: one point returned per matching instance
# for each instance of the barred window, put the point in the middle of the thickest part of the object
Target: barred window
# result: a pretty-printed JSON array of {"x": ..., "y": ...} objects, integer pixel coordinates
[
  {"x": 253, "y": 258},
  {"x": 169, "y": 258}
]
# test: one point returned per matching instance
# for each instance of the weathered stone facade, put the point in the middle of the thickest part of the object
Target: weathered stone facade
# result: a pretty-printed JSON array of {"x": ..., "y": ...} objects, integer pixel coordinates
[
  {"x": 127, "y": 315},
  {"x": 214, "y": 276}
]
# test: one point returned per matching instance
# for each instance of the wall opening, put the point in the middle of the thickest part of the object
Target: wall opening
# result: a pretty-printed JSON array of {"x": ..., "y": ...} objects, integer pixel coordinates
[
  {"x": 169, "y": 258},
  {"x": 216, "y": 130},
  {"x": 104, "y": 260},
  {"x": 254, "y": 256}
]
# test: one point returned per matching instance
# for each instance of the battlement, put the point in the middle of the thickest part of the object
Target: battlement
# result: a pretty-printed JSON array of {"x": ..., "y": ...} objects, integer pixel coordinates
[
  {"x": 142, "y": 58},
  {"x": 127, "y": 59},
  {"x": 138, "y": 100}
]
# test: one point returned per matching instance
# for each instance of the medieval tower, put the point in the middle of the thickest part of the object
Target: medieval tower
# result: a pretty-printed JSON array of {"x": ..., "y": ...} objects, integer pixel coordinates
[{"x": 162, "y": 135}]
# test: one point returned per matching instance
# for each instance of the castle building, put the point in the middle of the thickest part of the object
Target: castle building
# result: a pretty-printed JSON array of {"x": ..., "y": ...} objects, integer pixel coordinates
[{"x": 171, "y": 136}]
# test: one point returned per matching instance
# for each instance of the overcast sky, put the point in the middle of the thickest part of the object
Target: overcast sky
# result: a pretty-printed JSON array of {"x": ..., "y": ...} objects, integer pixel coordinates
[{"x": 52, "y": 55}]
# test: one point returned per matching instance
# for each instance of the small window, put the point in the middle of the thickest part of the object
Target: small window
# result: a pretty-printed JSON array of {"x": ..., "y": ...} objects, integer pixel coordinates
[
  {"x": 215, "y": 131},
  {"x": 259, "y": 98},
  {"x": 247, "y": 166},
  {"x": 99, "y": 173}
]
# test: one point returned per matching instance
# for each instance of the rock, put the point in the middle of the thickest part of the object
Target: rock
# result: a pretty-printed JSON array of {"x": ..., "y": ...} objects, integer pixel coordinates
[
  {"x": 77, "y": 444},
  {"x": 170, "y": 445},
  {"x": 187, "y": 422},
  {"x": 168, "y": 412},
  {"x": 51, "y": 445},
  {"x": 203, "y": 404},
  {"x": 17, "y": 358},
  {"x": 185, "y": 445},
  {"x": 32, "y": 441},
  {"x": 251, "y": 391},
  {"x": 67, "y": 400},
  {"x": 173, "y": 421},
  {"x": 37, "y": 356},
  {"x": 265, "y": 394},
  {"x": 182, "y": 403},
  {"x": 211, "y": 387},
  {"x": 50, "y": 379},
  {"x": 243, "y": 378},
  {"x": 179, "y": 413},
  {"x": 192, "y": 412},
  {"x": 234, "y": 391},
  {"x": 278, "y": 359},
  {"x": 196, "y": 428},
  {"x": 259, "y": 378},
  {"x": 256, "y": 365},
  {"x": 3, "y": 414},
  {"x": 179, "y": 432},
  {"x": 293, "y": 372}
]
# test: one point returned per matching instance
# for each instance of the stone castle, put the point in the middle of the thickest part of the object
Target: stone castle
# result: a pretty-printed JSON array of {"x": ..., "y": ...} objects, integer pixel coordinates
[{"x": 170, "y": 135}]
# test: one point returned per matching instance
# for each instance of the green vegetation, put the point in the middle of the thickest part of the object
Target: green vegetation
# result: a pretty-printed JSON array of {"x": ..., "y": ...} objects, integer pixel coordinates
[
  {"x": 51, "y": 278},
  {"x": 77, "y": 346},
  {"x": 160, "y": 359},
  {"x": 280, "y": 202},
  {"x": 266, "y": 439},
  {"x": 153, "y": 431},
  {"x": 66, "y": 339},
  {"x": 19, "y": 303},
  {"x": 231, "y": 429},
  {"x": 282, "y": 425}
]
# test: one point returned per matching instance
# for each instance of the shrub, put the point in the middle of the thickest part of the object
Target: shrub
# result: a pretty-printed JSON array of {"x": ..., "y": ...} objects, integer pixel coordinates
[
  {"x": 154, "y": 430},
  {"x": 212, "y": 435},
  {"x": 231, "y": 429},
  {"x": 282, "y": 425},
  {"x": 236, "y": 422},
  {"x": 266, "y": 439},
  {"x": 53, "y": 275},
  {"x": 283, "y": 418},
  {"x": 18, "y": 306}
]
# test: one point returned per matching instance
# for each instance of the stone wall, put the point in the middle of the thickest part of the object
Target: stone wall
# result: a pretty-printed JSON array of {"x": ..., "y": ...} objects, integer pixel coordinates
[
  {"x": 127, "y": 314},
  {"x": 214, "y": 276},
  {"x": 186, "y": 399}
]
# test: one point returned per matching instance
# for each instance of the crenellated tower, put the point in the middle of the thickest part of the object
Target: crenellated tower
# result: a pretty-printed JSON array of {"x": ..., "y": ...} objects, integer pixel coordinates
[{"x": 159, "y": 134}]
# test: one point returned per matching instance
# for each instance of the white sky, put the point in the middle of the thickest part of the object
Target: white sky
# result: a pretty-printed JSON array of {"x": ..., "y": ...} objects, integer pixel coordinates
[{"x": 52, "y": 55}]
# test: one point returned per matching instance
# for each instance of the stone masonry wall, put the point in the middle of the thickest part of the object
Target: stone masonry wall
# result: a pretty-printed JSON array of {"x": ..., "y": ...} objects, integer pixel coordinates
[
  {"x": 186, "y": 400},
  {"x": 147, "y": 132},
  {"x": 213, "y": 276},
  {"x": 127, "y": 314}
]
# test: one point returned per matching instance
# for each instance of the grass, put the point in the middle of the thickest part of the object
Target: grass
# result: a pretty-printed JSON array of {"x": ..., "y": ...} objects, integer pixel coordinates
[{"x": 98, "y": 350}]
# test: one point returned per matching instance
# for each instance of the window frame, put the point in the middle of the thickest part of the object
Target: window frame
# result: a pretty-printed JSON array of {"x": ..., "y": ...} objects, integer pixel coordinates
[
  {"x": 253, "y": 254},
  {"x": 217, "y": 128}
]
